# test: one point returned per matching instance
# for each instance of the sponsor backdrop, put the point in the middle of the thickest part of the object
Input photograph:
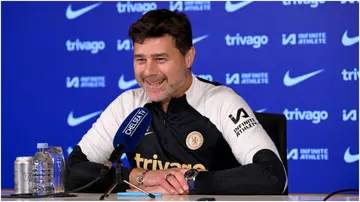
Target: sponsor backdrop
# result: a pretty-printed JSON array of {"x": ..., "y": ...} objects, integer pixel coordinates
[{"x": 64, "y": 62}]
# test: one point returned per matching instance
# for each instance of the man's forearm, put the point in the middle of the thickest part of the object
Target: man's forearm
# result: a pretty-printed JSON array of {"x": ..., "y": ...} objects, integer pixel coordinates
[
  {"x": 80, "y": 172},
  {"x": 265, "y": 176}
]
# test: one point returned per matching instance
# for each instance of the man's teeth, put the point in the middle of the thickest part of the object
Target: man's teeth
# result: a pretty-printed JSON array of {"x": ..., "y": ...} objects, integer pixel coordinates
[{"x": 157, "y": 82}]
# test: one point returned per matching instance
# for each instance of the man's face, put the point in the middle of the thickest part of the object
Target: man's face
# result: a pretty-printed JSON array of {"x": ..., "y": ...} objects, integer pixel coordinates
[{"x": 159, "y": 67}]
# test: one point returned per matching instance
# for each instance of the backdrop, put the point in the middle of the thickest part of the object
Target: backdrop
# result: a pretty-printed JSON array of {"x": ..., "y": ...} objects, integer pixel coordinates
[{"x": 64, "y": 62}]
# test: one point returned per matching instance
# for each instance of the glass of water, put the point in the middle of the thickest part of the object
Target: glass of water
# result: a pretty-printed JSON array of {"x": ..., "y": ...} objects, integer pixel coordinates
[{"x": 57, "y": 155}]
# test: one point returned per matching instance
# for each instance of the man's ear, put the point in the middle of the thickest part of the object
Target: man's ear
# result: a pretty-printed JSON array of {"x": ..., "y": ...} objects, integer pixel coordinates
[{"x": 189, "y": 57}]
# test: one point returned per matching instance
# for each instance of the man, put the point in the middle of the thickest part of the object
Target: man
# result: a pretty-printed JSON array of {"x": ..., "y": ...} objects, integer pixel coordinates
[{"x": 201, "y": 130}]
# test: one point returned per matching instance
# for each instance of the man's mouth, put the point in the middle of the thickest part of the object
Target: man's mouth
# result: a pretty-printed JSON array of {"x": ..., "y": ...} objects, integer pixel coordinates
[{"x": 155, "y": 83}]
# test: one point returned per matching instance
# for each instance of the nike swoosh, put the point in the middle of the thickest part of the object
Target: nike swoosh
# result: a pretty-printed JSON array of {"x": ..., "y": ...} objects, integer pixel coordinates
[
  {"x": 123, "y": 85},
  {"x": 293, "y": 81},
  {"x": 350, "y": 158},
  {"x": 70, "y": 14},
  {"x": 230, "y": 7},
  {"x": 261, "y": 110},
  {"x": 194, "y": 41},
  {"x": 72, "y": 121},
  {"x": 347, "y": 41}
]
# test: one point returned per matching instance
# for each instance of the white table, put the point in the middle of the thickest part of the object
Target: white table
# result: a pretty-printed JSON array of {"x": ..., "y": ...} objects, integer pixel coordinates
[{"x": 114, "y": 197}]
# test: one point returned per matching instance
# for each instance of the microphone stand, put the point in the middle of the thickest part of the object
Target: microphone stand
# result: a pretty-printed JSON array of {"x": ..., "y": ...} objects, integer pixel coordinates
[{"x": 119, "y": 179}]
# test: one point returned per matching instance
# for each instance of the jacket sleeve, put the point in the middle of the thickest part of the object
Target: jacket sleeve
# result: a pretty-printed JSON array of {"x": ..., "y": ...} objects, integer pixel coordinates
[
  {"x": 80, "y": 172},
  {"x": 94, "y": 149},
  {"x": 261, "y": 170}
]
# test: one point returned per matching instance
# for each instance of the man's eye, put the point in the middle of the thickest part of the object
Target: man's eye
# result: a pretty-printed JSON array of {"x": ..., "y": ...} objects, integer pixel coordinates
[
  {"x": 140, "y": 60},
  {"x": 160, "y": 59}
]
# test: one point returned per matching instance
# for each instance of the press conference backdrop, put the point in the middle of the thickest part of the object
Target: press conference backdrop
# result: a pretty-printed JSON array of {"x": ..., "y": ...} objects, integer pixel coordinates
[{"x": 64, "y": 62}]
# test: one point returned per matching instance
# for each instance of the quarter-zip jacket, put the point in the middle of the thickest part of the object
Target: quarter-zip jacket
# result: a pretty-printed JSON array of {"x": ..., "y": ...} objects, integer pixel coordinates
[{"x": 209, "y": 127}]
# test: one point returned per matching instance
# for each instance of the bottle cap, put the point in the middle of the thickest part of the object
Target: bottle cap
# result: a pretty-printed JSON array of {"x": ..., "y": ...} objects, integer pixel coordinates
[{"x": 42, "y": 145}]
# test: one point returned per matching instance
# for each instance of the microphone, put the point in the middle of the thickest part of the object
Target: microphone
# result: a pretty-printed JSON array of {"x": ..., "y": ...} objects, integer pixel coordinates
[
  {"x": 126, "y": 139},
  {"x": 129, "y": 134}
]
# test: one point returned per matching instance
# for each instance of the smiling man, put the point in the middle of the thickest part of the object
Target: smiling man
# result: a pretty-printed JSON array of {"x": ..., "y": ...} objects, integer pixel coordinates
[{"x": 203, "y": 138}]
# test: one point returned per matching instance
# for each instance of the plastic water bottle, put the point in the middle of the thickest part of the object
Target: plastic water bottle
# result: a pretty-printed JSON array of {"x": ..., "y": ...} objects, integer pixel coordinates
[
  {"x": 43, "y": 171},
  {"x": 57, "y": 155}
]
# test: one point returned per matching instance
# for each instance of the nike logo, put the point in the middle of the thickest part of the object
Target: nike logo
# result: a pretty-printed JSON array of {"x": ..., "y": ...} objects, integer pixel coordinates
[
  {"x": 123, "y": 85},
  {"x": 261, "y": 110},
  {"x": 72, "y": 121},
  {"x": 347, "y": 41},
  {"x": 288, "y": 81},
  {"x": 70, "y": 14},
  {"x": 350, "y": 158},
  {"x": 194, "y": 41},
  {"x": 230, "y": 7}
]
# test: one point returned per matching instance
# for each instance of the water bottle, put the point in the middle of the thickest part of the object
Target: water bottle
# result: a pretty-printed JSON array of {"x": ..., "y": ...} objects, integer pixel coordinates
[
  {"x": 57, "y": 155},
  {"x": 42, "y": 171}
]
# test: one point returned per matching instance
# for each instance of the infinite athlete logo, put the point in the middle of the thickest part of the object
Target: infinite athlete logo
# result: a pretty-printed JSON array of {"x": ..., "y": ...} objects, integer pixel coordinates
[
  {"x": 315, "y": 154},
  {"x": 248, "y": 78},
  {"x": 349, "y": 115},
  {"x": 245, "y": 124},
  {"x": 306, "y": 38},
  {"x": 187, "y": 6},
  {"x": 240, "y": 113}
]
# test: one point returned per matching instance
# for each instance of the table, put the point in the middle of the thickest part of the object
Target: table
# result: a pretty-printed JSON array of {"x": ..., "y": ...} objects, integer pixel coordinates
[{"x": 114, "y": 197}]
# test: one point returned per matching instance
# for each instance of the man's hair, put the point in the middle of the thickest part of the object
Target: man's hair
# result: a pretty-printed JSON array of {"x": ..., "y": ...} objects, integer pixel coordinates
[{"x": 161, "y": 22}]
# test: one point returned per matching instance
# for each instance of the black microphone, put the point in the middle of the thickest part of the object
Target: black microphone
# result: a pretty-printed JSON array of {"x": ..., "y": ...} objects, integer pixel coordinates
[{"x": 129, "y": 134}]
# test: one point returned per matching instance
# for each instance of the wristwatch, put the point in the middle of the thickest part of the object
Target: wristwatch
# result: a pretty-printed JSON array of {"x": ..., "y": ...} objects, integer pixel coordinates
[{"x": 190, "y": 177}]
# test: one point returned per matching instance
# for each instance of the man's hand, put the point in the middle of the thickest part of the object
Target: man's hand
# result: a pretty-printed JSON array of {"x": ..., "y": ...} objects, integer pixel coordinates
[
  {"x": 171, "y": 181},
  {"x": 155, "y": 189}
]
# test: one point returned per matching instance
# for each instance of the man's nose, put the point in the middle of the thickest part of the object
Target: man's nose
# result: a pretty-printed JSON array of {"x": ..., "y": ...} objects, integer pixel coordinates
[{"x": 151, "y": 67}]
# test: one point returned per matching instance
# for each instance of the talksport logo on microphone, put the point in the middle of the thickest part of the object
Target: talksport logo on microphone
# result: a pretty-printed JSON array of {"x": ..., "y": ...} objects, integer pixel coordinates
[
  {"x": 306, "y": 38},
  {"x": 308, "y": 154},
  {"x": 248, "y": 78},
  {"x": 190, "y": 6}
]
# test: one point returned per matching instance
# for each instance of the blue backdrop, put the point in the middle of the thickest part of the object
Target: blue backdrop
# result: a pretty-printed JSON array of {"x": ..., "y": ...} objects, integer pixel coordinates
[{"x": 64, "y": 62}]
